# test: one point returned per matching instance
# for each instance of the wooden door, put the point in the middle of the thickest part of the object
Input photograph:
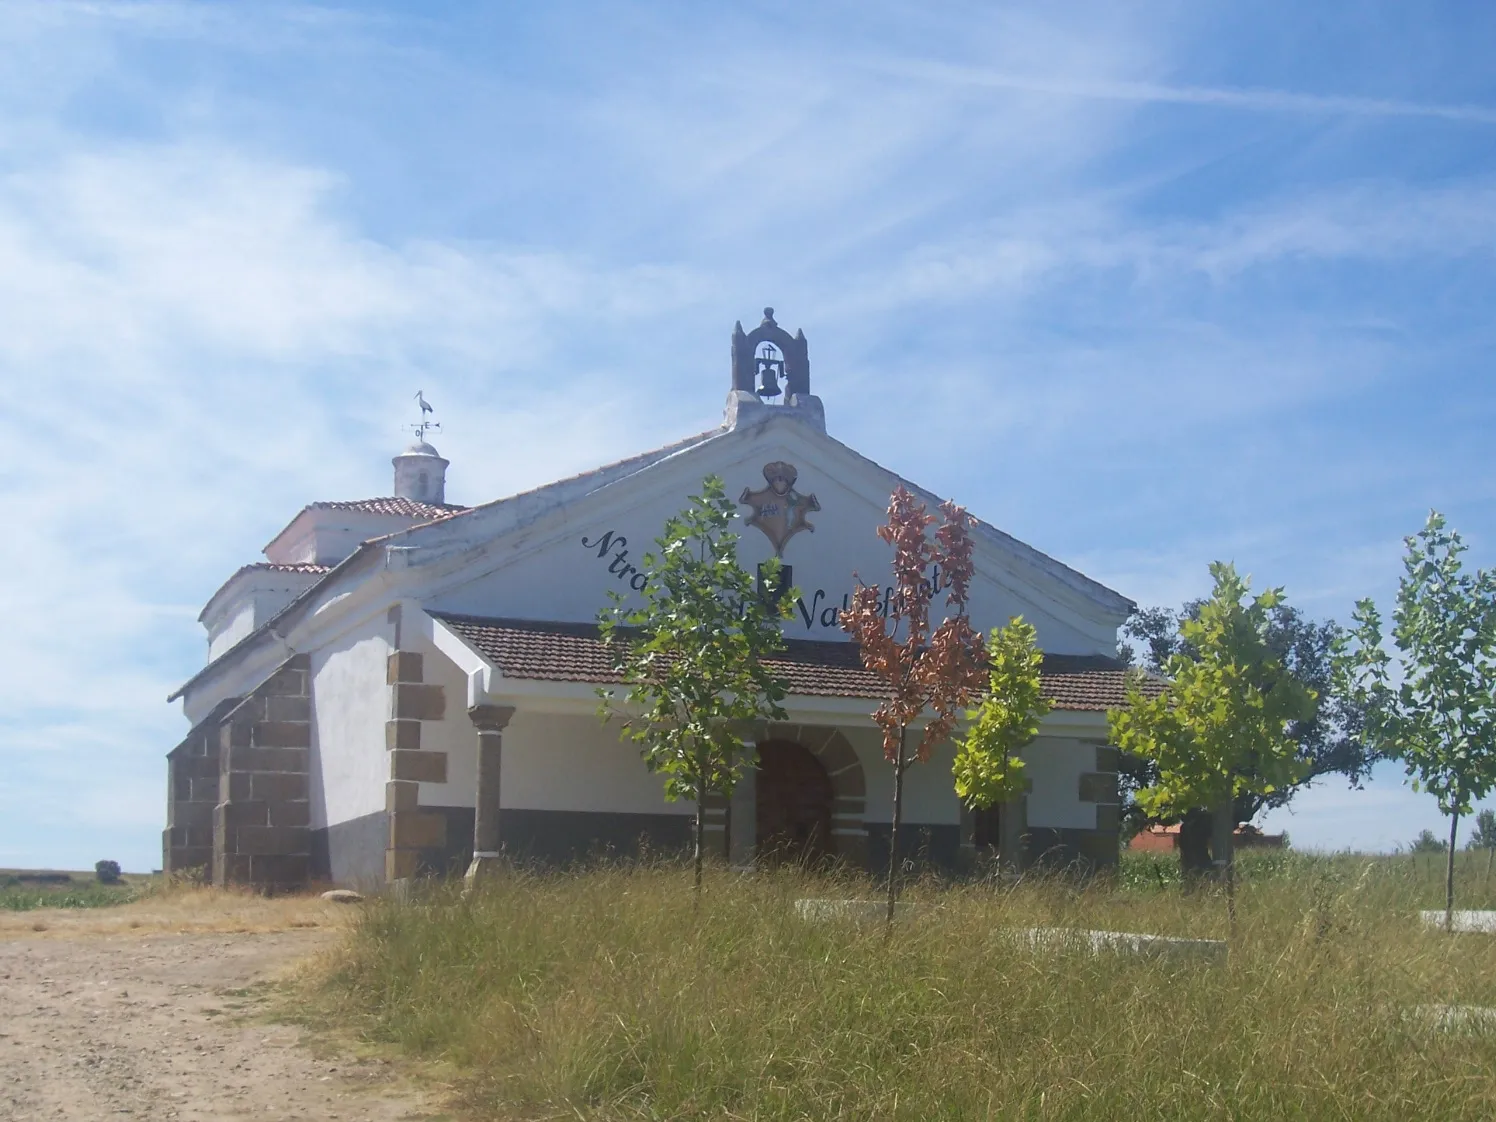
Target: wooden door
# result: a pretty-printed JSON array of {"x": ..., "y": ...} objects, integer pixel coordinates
[{"x": 793, "y": 799}]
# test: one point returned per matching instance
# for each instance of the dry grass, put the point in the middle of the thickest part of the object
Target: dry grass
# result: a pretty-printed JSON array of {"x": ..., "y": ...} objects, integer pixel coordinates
[
  {"x": 178, "y": 908},
  {"x": 607, "y": 994}
]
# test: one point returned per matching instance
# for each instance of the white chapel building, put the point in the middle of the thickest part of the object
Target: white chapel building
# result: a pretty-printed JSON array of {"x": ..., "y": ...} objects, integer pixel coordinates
[{"x": 401, "y": 671}]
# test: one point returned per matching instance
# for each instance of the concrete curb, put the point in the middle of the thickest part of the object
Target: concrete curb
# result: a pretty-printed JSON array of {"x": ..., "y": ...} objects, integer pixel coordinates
[
  {"x": 1120, "y": 942},
  {"x": 821, "y": 910},
  {"x": 1477, "y": 923},
  {"x": 1477, "y": 1019}
]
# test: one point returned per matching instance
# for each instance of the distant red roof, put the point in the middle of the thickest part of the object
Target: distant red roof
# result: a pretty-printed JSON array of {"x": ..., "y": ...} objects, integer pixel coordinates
[
  {"x": 1163, "y": 839},
  {"x": 572, "y": 652}
]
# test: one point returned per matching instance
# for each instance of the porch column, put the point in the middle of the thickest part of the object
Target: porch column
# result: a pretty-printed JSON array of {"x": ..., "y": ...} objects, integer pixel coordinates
[
  {"x": 742, "y": 841},
  {"x": 490, "y": 721},
  {"x": 1012, "y": 825},
  {"x": 966, "y": 852}
]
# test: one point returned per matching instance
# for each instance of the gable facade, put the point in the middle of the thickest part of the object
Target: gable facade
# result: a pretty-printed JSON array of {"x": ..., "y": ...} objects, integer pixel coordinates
[{"x": 450, "y": 671}]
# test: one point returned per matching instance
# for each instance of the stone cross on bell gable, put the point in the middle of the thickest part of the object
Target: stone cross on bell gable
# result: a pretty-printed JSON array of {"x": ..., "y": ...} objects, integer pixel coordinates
[{"x": 783, "y": 355}]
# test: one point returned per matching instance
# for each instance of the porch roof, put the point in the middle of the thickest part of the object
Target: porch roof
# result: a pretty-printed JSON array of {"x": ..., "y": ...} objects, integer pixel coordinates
[{"x": 573, "y": 652}]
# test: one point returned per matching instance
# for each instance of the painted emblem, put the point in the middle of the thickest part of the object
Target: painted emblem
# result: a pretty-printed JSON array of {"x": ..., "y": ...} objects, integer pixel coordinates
[{"x": 779, "y": 510}]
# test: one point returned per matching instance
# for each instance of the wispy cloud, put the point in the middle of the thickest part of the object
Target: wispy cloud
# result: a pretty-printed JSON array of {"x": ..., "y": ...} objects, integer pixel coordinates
[
  {"x": 1093, "y": 234},
  {"x": 1136, "y": 92},
  {"x": 233, "y": 242},
  {"x": 202, "y": 346}
]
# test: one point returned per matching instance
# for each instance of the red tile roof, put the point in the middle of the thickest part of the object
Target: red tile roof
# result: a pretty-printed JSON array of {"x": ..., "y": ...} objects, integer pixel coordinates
[
  {"x": 572, "y": 652},
  {"x": 263, "y": 567},
  {"x": 397, "y": 507}
]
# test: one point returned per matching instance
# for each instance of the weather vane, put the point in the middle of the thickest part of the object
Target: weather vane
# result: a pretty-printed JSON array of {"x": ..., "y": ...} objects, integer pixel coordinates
[{"x": 425, "y": 426}]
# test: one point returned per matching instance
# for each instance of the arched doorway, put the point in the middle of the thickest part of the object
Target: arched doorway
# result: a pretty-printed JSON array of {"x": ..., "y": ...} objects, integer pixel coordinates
[{"x": 793, "y": 799}]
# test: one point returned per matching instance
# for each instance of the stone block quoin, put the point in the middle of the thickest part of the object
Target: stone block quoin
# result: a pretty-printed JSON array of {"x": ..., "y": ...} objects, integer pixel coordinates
[
  {"x": 191, "y": 795},
  {"x": 261, "y": 825},
  {"x": 415, "y": 837},
  {"x": 848, "y": 785}
]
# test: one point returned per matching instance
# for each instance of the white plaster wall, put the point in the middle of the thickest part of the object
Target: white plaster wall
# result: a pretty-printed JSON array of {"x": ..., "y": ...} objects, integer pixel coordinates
[
  {"x": 1055, "y": 766},
  {"x": 454, "y": 734},
  {"x": 257, "y": 596},
  {"x": 337, "y": 533},
  {"x": 350, "y": 704},
  {"x": 326, "y": 536},
  {"x": 230, "y": 627},
  {"x": 575, "y": 562},
  {"x": 566, "y": 762},
  {"x": 929, "y": 790},
  {"x": 295, "y": 545},
  {"x": 575, "y": 762}
]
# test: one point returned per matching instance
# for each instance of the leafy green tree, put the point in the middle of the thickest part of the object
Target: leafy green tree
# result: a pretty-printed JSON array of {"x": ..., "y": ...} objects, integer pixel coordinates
[
  {"x": 1436, "y": 710},
  {"x": 1329, "y": 741},
  {"x": 988, "y": 768},
  {"x": 1483, "y": 836},
  {"x": 693, "y": 654},
  {"x": 1425, "y": 842},
  {"x": 1222, "y": 725}
]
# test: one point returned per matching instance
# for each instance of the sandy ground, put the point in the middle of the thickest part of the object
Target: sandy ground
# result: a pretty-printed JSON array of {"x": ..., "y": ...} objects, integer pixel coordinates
[{"x": 156, "y": 1011}]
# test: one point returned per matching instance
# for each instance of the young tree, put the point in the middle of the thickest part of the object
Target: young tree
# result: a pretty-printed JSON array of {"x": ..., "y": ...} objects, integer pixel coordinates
[
  {"x": 1329, "y": 741},
  {"x": 988, "y": 769},
  {"x": 1426, "y": 842},
  {"x": 693, "y": 655},
  {"x": 942, "y": 671},
  {"x": 1440, "y": 717},
  {"x": 1222, "y": 726},
  {"x": 1483, "y": 836}
]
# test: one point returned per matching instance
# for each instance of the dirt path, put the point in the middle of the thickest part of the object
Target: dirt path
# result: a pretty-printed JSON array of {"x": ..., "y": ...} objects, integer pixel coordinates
[{"x": 153, "y": 1025}]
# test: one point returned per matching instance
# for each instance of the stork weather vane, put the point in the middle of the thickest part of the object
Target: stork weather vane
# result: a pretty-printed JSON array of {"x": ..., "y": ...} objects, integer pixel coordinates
[{"x": 425, "y": 426}]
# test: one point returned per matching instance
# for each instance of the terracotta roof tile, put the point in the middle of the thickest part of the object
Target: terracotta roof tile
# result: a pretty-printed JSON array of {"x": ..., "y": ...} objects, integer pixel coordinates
[
  {"x": 262, "y": 567},
  {"x": 572, "y": 652},
  {"x": 398, "y": 507}
]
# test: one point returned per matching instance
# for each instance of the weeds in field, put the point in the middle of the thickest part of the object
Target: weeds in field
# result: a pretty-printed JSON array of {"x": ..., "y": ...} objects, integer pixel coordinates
[
  {"x": 20, "y": 894},
  {"x": 21, "y": 897},
  {"x": 601, "y": 994}
]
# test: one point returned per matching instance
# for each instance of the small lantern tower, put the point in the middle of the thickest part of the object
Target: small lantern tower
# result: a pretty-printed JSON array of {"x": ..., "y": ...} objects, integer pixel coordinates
[{"x": 420, "y": 471}]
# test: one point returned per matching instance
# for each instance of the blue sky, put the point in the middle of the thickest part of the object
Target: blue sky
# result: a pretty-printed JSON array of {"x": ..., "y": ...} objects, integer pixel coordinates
[{"x": 1145, "y": 285}]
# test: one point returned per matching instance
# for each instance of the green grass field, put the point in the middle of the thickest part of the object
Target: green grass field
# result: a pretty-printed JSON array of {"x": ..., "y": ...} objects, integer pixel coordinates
[
  {"x": 82, "y": 891},
  {"x": 609, "y": 995}
]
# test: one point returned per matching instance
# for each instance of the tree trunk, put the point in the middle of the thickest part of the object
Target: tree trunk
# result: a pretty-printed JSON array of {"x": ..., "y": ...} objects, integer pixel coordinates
[
  {"x": 727, "y": 832},
  {"x": 1454, "y": 825},
  {"x": 1223, "y": 827},
  {"x": 700, "y": 818},
  {"x": 893, "y": 833},
  {"x": 1194, "y": 846}
]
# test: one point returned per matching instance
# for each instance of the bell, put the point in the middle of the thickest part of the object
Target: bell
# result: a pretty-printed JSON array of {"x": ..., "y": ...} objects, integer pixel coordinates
[{"x": 768, "y": 382}]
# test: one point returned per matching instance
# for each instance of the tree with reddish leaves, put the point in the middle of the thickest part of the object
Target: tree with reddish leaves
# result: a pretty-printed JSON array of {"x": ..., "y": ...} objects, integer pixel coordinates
[{"x": 943, "y": 671}]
